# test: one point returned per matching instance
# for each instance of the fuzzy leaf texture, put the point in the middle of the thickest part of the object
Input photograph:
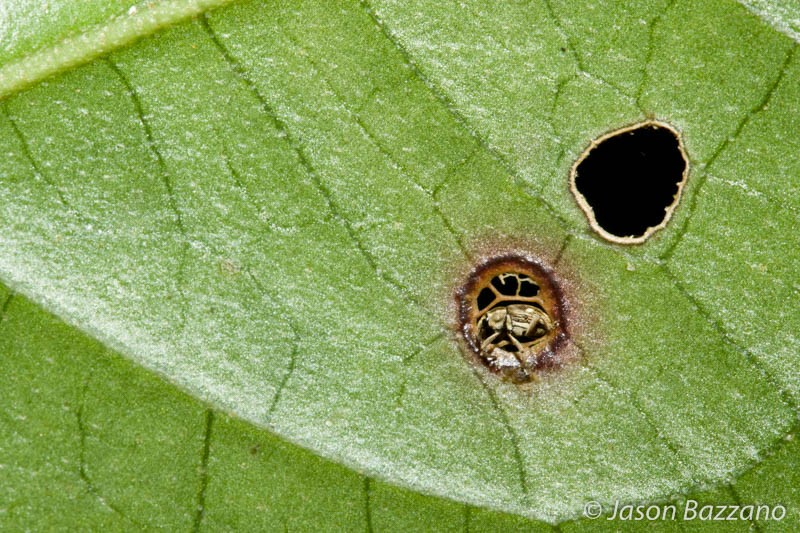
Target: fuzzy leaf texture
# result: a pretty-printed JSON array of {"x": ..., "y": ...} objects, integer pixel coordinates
[{"x": 230, "y": 233}]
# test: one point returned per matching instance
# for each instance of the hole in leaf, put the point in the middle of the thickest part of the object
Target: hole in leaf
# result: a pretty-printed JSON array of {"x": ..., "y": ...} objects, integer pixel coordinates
[
  {"x": 511, "y": 316},
  {"x": 485, "y": 298},
  {"x": 628, "y": 182}
]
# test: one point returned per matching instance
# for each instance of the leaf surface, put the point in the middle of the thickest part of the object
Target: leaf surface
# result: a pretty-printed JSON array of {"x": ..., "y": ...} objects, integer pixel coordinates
[
  {"x": 784, "y": 16},
  {"x": 271, "y": 206}
]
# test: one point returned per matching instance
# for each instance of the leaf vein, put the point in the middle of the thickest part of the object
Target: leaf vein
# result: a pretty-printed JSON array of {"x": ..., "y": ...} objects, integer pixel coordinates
[
  {"x": 5, "y": 305},
  {"x": 773, "y": 449},
  {"x": 460, "y": 119},
  {"x": 370, "y": 136},
  {"x": 26, "y": 151},
  {"x": 502, "y": 416},
  {"x": 200, "y": 500},
  {"x": 720, "y": 329},
  {"x": 738, "y": 501},
  {"x": 287, "y": 375},
  {"x": 368, "y": 504},
  {"x": 303, "y": 159},
  {"x": 574, "y": 51},
  {"x": 401, "y": 389},
  {"x": 648, "y": 59},
  {"x": 648, "y": 418},
  {"x": 760, "y": 106},
  {"x": 83, "y": 471},
  {"x": 164, "y": 176}
]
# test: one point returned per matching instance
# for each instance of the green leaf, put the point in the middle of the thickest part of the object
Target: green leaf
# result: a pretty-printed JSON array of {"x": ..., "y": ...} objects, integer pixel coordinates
[
  {"x": 784, "y": 16},
  {"x": 42, "y": 38},
  {"x": 270, "y": 207}
]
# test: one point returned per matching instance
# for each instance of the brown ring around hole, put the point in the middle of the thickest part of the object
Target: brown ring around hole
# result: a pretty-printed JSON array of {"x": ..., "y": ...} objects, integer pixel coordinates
[{"x": 528, "y": 331}]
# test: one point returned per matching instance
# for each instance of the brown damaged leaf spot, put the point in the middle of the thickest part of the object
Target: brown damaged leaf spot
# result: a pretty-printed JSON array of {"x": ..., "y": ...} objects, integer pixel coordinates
[
  {"x": 628, "y": 182},
  {"x": 513, "y": 316}
]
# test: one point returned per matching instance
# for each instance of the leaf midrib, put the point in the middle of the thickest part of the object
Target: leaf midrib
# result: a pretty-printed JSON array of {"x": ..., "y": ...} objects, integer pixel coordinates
[{"x": 96, "y": 41}]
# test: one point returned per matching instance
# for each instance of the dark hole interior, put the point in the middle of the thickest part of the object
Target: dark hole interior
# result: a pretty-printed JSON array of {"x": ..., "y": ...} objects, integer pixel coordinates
[
  {"x": 631, "y": 178},
  {"x": 485, "y": 298},
  {"x": 528, "y": 288},
  {"x": 506, "y": 285}
]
